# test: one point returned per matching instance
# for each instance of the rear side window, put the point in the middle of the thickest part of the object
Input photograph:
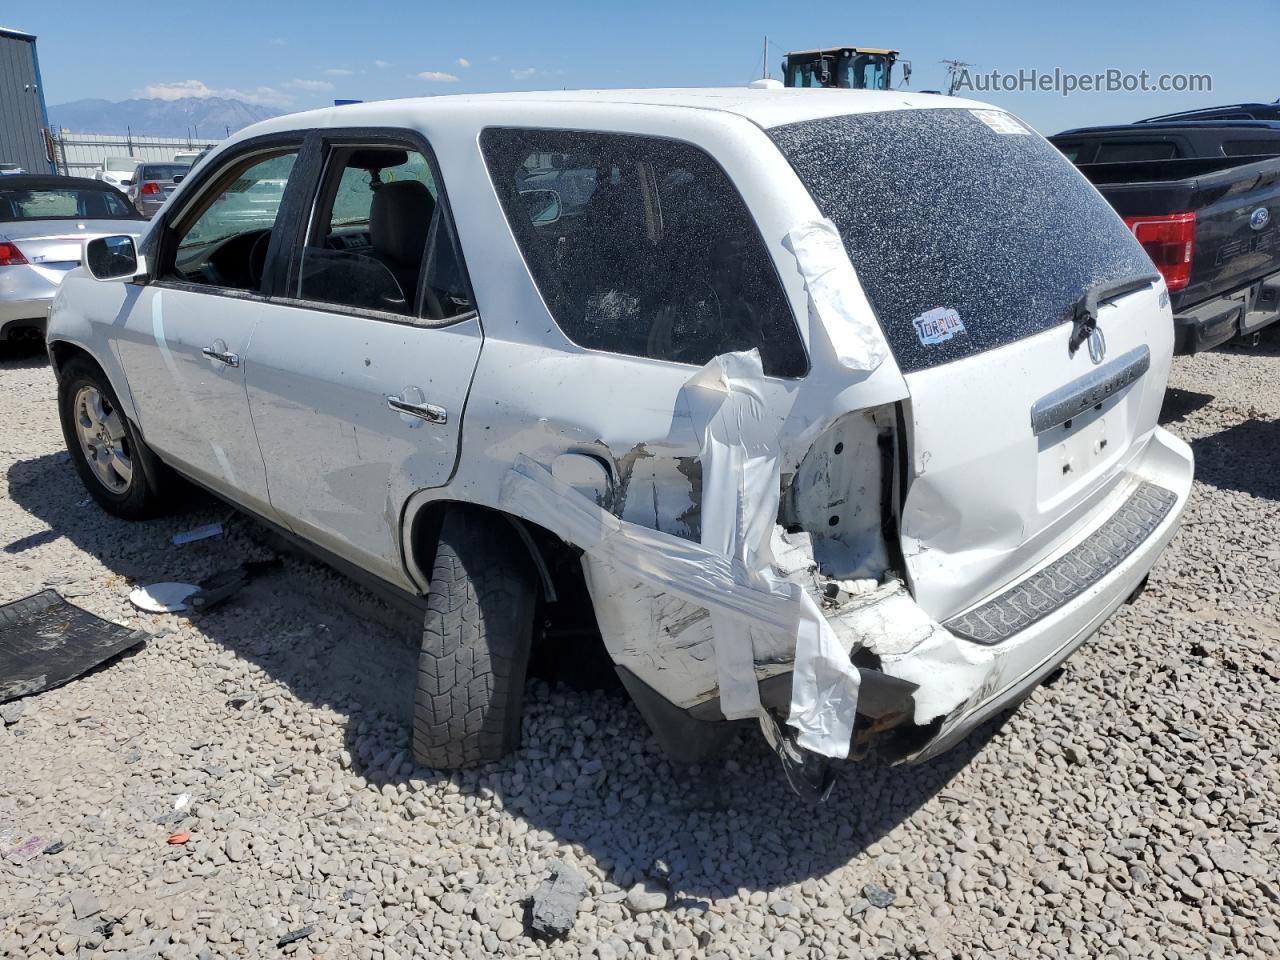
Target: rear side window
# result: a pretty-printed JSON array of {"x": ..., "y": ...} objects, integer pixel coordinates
[
  {"x": 642, "y": 246},
  {"x": 1129, "y": 151},
  {"x": 949, "y": 211},
  {"x": 1252, "y": 148}
]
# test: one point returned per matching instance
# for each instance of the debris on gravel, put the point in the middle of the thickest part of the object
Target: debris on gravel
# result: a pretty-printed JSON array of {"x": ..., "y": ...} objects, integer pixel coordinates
[
  {"x": 555, "y": 902},
  {"x": 1131, "y": 809}
]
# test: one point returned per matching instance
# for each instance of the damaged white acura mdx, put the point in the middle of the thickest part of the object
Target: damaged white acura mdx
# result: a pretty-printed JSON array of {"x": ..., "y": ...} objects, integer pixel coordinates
[{"x": 834, "y": 412}]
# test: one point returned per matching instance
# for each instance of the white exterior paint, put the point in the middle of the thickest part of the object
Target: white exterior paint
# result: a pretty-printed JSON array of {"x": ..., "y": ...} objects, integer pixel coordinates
[{"x": 300, "y": 432}]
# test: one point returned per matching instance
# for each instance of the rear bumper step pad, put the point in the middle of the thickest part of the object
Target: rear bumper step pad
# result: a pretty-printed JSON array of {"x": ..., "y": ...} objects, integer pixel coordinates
[{"x": 1071, "y": 574}]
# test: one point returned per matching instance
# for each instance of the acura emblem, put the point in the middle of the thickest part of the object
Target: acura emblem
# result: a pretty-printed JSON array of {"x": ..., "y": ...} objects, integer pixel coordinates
[
  {"x": 1097, "y": 346},
  {"x": 1259, "y": 219}
]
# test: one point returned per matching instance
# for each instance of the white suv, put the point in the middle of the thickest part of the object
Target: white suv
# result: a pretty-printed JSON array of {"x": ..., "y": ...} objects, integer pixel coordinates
[{"x": 836, "y": 413}]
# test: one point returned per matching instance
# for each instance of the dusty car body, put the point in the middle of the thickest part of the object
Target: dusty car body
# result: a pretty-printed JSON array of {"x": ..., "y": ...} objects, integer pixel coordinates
[{"x": 860, "y": 468}]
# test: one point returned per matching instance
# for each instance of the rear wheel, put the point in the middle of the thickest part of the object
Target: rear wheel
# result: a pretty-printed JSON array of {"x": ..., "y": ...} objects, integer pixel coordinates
[
  {"x": 476, "y": 637},
  {"x": 104, "y": 446}
]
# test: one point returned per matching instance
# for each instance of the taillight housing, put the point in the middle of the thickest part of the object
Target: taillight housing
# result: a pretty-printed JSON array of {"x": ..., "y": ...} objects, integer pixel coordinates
[
  {"x": 149, "y": 189},
  {"x": 11, "y": 256},
  {"x": 1170, "y": 241}
]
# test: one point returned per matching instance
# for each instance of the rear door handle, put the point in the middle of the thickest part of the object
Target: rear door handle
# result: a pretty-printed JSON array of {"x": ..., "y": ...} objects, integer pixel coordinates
[
  {"x": 218, "y": 351},
  {"x": 423, "y": 411}
]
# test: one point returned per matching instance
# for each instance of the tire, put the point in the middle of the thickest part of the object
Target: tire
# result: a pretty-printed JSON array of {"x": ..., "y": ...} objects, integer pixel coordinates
[
  {"x": 125, "y": 493},
  {"x": 476, "y": 636}
]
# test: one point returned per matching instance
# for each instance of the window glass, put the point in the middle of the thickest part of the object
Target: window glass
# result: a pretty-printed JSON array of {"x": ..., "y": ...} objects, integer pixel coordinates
[
  {"x": 1252, "y": 148},
  {"x": 63, "y": 204},
  {"x": 378, "y": 220},
  {"x": 163, "y": 171},
  {"x": 1128, "y": 151},
  {"x": 226, "y": 245},
  {"x": 939, "y": 210},
  {"x": 642, "y": 246}
]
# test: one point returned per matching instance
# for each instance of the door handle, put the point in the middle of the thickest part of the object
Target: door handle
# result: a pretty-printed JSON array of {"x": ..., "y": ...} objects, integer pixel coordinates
[
  {"x": 222, "y": 355},
  {"x": 423, "y": 411}
]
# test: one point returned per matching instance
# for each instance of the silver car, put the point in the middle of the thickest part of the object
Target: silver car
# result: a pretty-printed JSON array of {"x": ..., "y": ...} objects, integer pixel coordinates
[
  {"x": 152, "y": 183},
  {"x": 44, "y": 221}
]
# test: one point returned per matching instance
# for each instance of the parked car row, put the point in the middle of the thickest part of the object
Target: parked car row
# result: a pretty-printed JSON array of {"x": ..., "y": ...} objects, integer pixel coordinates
[
  {"x": 147, "y": 184},
  {"x": 804, "y": 418},
  {"x": 1201, "y": 192}
]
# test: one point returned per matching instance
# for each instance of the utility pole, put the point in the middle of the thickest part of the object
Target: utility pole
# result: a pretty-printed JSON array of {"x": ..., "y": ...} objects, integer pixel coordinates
[{"x": 955, "y": 68}]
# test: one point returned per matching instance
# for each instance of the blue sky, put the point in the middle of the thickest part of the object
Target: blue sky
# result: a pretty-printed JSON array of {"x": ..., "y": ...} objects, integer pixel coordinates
[{"x": 298, "y": 55}]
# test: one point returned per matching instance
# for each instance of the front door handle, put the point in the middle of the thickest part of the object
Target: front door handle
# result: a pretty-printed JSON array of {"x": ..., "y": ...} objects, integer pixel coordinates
[
  {"x": 423, "y": 411},
  {"x": 220, "y": 353}
]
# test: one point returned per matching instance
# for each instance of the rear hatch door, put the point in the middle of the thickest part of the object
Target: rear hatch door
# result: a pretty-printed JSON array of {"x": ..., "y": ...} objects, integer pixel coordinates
[{"x": 977, "y": 244}]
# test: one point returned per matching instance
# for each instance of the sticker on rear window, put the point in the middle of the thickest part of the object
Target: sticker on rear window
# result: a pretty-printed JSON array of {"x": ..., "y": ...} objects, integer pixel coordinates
[
  {"x": 999, "y": 121},
  {"x": 937, "y": 325}
]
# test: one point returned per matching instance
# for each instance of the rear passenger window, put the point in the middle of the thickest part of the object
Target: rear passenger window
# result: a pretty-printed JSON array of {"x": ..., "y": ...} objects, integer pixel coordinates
[
  {"x": 378, "y": 238},
  {"x": 1252, "y": 148},
  {"x": 1127, "y": 152},
  {"x": 642, "y": 246}
]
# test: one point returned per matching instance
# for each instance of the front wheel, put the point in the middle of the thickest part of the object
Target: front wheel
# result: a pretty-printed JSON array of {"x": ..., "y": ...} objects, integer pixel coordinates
[
  {"x": 104, "y": 446},
  {"x": 476, "y": 637}
]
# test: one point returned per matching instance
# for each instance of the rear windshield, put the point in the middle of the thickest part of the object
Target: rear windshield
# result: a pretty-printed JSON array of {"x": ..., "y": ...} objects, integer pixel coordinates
[
  {"x": 968, "y": 231},
  {"x": 163, "y": 171},
  {"x": 63, "y": 203}
]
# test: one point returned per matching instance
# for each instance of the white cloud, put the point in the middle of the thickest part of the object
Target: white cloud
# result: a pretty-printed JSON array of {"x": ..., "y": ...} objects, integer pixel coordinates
[
  {"x": 177, "y": 89},
  {"x": 310, "y": 85},
  {"x": 278, "y": 42},
  {"x": 339, "y": 72},
  {"x": 435, "y": 76},
  {"x": 523, "y": 74},
  {"x": 463, "y": 62},
  {"x": 382, "y": 64}
]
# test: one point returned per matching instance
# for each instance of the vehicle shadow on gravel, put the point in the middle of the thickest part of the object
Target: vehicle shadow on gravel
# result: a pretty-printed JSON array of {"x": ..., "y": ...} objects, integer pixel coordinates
[
  {"x": 1180, "y": 404},
  {"x": 23, "y": 354},
  {"x": 1244, "y": 457},
  {"x": 589, "y": 773}
]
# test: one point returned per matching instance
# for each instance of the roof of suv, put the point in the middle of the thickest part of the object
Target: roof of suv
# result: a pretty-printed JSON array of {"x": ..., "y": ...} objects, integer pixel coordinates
[{"x": 765, "y": 107}]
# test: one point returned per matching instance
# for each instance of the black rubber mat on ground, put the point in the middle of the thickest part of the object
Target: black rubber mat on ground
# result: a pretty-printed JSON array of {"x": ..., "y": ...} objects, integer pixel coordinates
[{"x": 45, "y": 641}]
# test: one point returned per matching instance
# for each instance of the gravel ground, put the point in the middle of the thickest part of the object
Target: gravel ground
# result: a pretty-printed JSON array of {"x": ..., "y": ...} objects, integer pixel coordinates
[{"x": 1128, "y": 809}]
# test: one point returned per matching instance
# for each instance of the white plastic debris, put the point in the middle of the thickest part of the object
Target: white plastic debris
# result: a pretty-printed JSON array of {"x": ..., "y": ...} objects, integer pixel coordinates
[
  {"x": 199, "y": 533},
  {"x": 835, "y": 295},
  {"x": 183, "y": 801},
  {"x": 167, "y": 597},
  {"x": 730, "y": 572}
]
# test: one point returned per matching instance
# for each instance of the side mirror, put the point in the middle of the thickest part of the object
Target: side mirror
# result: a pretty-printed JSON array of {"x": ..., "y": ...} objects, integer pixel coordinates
[
  {"x": 112, "y": 258},
  {"x": 543, "y": 206},
  {"x": 126, "y": 183}
]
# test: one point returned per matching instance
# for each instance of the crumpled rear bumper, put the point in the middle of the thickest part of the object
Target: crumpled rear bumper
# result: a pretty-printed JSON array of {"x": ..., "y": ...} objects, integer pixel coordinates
[{"x": 1062, "y": 603}]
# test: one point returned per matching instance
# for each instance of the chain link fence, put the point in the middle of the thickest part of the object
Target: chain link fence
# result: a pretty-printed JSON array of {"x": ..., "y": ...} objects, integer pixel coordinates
[{"x": 80, "y": 154}]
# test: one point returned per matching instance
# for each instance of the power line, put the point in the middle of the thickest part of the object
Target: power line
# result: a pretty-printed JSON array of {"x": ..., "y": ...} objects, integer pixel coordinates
[{"x": 955, "y": 68}]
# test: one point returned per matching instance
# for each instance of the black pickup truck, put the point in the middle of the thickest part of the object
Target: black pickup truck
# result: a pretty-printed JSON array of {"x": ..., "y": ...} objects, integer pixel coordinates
[{"x": 1203, "y": 198}]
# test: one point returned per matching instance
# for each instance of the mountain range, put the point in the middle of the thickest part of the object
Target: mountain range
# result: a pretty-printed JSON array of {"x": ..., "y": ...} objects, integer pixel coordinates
[{"x": 208, "y": 118}]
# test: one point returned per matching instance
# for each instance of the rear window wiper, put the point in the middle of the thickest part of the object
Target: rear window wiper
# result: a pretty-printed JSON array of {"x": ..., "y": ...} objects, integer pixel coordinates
[{"x": 1084, "y": 312}]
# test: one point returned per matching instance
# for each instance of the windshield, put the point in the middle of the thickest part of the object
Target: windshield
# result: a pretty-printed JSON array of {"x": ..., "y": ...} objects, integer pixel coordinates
[
  {"x": 63, "y": 203},
  {"x": 163, "y": 171},
  {"x": 864, "y": 71},
  {"x": 961, "y": 214},
  {"x": 120, "y": 164}
]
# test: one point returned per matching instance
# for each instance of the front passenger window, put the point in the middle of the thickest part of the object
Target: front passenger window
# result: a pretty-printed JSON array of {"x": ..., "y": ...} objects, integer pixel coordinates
[
  {"x": 379, "y": 239},
  {"x": 226, "y": 244}
]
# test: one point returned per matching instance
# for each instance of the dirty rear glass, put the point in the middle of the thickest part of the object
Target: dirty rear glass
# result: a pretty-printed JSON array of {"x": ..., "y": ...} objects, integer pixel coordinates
[
  {"x": 962, "y": 220},
  {"x": 642, "y": 246}
]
